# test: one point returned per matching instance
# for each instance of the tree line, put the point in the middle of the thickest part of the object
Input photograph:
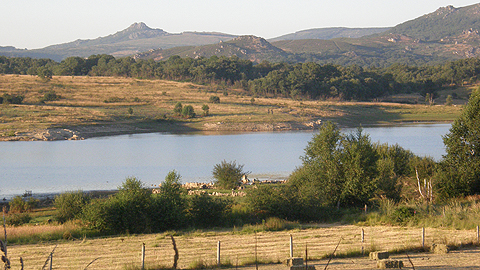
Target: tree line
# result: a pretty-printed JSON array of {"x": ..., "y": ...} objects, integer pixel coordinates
[{"x": 303, "y": 80}]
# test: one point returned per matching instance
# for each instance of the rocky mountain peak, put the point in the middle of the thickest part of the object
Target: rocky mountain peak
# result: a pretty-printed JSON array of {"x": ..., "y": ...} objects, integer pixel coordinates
[{"x": 139, "y": 26}]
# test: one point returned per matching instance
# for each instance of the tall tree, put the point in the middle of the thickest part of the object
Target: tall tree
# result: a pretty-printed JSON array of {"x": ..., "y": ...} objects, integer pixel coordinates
[{"x": 459, "y": 173}]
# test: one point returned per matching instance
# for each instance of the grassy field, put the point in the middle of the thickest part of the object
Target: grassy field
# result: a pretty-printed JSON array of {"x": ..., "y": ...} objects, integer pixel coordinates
[
  {"x": 97, "y": 106},
  {"x": 199, "y": 248}
]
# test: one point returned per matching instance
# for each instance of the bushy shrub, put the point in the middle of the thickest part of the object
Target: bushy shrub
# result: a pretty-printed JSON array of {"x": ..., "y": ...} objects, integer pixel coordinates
[
  {"x": 18, "y": 219},
  {"x": 205, "y": 211},
  {"x": 50, "y": 96},
  {"x": 10, "y": 99},
  {"x": 69, "y": 205},
  {"x": 134, "y": 209},
  {"x": 402, "y": 214},
  {"x": 19, "y": 205},
  {"x": 214, "y": 99}
]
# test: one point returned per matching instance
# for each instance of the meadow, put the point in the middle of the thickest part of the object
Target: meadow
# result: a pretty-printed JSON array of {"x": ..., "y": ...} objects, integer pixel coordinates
[
  {"x": 198, "y": 249},
  {"x": 97, "y": 106}
]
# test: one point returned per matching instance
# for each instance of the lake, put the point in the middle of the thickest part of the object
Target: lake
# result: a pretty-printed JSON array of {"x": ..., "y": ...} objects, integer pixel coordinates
[{"x": 104, "y": 163}]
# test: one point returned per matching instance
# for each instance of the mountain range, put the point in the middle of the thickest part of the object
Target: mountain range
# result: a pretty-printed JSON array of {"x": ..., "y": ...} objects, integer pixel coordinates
[{"x": 448, "y": 33}]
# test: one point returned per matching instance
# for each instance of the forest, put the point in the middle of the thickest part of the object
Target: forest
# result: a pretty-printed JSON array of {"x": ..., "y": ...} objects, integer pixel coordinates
[{"x": 267, "y": 79}]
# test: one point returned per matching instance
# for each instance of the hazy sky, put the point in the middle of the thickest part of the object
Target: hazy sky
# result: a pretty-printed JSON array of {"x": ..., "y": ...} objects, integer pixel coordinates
[{"x": 39, "y": 23}]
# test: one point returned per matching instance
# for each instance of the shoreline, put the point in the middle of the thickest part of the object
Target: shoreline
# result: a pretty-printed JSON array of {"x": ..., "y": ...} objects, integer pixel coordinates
[{"x": 106, "y": 130}]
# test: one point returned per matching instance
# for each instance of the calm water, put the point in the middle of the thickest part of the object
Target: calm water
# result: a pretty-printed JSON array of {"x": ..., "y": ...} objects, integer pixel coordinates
[{"x": 104, "y": 163}]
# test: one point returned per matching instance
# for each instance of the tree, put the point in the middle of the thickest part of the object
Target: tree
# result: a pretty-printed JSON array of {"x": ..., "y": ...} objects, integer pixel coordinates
[
  {"x": 228, "y": 174},
  {"x": 44, "y": 73},
  {"x": 169, "y": 206},
  {"x": 205, "y": 109},
  {"x": 449, "y": 101},
  {"x": 69, "y": 205},
  {"x": 178, "y": 108},
  {"x": 188, "y": 111},
  {"x": 459, "y": 172}
]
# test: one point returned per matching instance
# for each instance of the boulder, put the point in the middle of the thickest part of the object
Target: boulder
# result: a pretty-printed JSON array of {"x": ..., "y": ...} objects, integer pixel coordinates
[
  {"x": 294, "y": 261},
  {"x": 383, "y": 264},
  {"x": 379, "y": 255},
  {"x": 439, "y": 249}
]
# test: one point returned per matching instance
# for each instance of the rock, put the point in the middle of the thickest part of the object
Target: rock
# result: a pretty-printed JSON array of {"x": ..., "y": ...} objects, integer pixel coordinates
[
  {"x": 439, "y": 249},
  {"x": 379, "y": 255},
  {"x": 300, "y": 267},
  {"x": 383, "y": 264},
  {"x": 294, "y": 261}
]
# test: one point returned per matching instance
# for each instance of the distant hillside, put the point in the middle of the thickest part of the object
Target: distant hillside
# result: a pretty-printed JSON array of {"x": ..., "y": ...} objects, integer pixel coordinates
[
  {"x": 330, "y": 33},
  {"x": 253, "y": 48},
  {"x": 446, "y": 34},
  {"x": 445, "y": 22},
  {"x": 134, "y": 39}
]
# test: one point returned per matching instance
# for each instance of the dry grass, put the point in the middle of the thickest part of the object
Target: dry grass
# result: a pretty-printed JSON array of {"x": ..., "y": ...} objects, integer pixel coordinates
[
  {"x": 106, "y": 100},
  {"x": 200, "y": 247}
]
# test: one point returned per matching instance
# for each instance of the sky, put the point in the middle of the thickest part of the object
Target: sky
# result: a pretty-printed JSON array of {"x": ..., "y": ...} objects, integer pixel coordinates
[{"x": 39, "y": 23}]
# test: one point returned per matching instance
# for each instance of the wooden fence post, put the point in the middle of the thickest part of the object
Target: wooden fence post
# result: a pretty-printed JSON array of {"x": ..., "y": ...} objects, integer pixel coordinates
[
  {"x": 291, "y": 246},
  {"x": 363, "y": 241},
  {"x": 51, "y": 261},
  {"x": 218, "y": 254},
  {"x": 143, "y": 256},
  {"x": 478, "y": 235},
  {"x": 423, "y": 237}
]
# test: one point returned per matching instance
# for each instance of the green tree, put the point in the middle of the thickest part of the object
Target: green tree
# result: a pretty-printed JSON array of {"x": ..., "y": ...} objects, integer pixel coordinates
[
  {"x": 228, "y": 174},
  {"x": 69, "y": 205},
  {"x": 459, "y": 172},
  {"x": 449, "y": 101},
  {"x": 169, "y": 205},
  {"x": 188, "y": 111},
  {"x": 178, "y": 108},
  {"x": 128, "y": 211},
  {"x": 205, "y": 109},
  {"x": 44, "y": 73}
]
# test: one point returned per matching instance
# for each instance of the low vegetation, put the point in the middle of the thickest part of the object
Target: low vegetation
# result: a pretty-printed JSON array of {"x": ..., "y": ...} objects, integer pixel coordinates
[{"x": 82, "y": 107}]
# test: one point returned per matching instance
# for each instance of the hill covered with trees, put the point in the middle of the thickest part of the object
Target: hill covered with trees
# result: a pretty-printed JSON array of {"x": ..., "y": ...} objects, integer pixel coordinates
[{"x": 304, "y": 80}]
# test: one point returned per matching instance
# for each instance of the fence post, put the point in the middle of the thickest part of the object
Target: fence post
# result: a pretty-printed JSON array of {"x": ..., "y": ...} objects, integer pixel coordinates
[
  {"x": 423, "y": 237},
  {"x": 363, "y": 241},
  {"x": 51, "y": 261},
  {"x": 291, "y": 246},
  {"x": 478, "y": 235},
  {"x": 306, "y": 256},
  {"x": 143, "y": 256},
  {"x": 218, "y": 254}
]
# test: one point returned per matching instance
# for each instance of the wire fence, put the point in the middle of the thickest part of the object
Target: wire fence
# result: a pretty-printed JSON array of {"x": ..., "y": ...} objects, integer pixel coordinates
[{"x": 198, "y": 249}]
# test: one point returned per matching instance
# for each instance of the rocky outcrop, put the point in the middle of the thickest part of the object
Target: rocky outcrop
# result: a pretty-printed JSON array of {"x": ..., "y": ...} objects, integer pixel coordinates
[{"x": 58, "y": 134}]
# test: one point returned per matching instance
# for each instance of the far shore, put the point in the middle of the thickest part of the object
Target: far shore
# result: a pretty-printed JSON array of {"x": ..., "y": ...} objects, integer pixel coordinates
[{"x": 93, "y": 131}]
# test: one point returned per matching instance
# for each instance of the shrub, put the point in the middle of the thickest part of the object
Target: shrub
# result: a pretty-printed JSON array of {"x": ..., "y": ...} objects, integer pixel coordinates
[
  {"x": 10, "y": 99},
  {"x": 18, "y": 219},
  {"x": 402, "y": 214},
  {"x": 17, "y": 205},
  {"x": 214, "y": 99},
  {"x": 205, "y": 211},
  {"x": 50, "y": 96},
  {"x": 69, "y": 205}
]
